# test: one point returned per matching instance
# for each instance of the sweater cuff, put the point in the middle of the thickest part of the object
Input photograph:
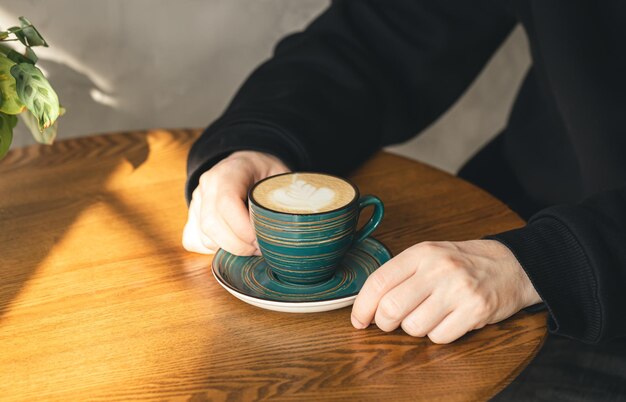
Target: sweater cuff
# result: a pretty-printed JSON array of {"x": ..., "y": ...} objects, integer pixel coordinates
[
  {"x": 562, "y": 275},
  {"x": 217, "y": 143}
]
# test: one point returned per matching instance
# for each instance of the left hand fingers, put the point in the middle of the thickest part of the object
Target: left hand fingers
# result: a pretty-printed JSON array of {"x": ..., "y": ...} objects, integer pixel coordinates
[
  {"x": 445, "y": 289},
  {"x": 427, "y": 316},
  {"x": 396, "y": 304},
  {"x": 453, "y": 326},
  {"x": 385, "y": 278}
]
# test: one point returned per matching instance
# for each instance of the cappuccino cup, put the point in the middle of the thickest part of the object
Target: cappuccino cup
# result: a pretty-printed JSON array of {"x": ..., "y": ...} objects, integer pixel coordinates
[{"x": 306, "y": 222}]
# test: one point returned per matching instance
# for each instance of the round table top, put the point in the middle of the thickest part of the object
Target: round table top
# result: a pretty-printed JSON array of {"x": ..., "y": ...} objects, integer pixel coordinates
[{"x": 98, "y": 299}]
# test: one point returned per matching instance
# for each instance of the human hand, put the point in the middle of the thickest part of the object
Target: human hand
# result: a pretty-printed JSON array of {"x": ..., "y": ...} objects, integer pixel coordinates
[
  {"x": 444, "y": 290},
  {"x": 217, "y": 216}
]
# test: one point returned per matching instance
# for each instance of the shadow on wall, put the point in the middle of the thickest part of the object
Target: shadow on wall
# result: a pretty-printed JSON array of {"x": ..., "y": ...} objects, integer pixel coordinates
[
  {"x": 166, "y": 64},
  {"x": 177, "y": 64},
  {"x": 80, "y": 96}
]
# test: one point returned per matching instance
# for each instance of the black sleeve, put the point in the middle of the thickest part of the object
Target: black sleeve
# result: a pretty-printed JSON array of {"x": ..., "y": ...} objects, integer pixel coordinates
[
  {"x": 575, "y": 256},
  {"x": 364, "y": 74}
]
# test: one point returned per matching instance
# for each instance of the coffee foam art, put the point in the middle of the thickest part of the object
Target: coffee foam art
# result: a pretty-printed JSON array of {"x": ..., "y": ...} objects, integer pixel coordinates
[
  {"x": 302, "y": 196},
  {"x": 304, "y": 193}
]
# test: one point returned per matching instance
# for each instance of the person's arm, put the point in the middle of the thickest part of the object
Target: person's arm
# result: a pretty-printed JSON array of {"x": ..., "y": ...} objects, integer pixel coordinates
[
  {"x": 364, "y": 74},
  {"x": 575, "y": 256},
  {"x": 571, "y": 257}
]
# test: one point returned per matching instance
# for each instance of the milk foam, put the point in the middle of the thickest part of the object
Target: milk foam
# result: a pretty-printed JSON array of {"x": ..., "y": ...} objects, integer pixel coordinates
[{"x": 302, "y": 196}]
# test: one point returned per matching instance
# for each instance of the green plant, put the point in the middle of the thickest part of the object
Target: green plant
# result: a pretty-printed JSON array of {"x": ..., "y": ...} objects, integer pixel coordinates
[{"x": 24, "y": 90}]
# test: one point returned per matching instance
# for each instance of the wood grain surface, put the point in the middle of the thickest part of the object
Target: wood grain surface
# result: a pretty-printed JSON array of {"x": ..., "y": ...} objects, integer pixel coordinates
[{"x": 99, "y": 301}]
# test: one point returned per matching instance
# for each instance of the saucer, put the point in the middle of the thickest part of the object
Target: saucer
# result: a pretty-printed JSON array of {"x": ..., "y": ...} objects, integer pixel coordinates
[{"x": 251, "y": 280}]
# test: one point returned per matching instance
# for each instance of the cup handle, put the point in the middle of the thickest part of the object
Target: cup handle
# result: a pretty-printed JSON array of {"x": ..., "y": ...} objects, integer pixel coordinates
[{"x": 372, "y": 223}]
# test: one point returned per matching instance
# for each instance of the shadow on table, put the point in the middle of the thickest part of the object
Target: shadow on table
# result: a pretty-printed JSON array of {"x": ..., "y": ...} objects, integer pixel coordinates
[{"x": 51, "y": 187}]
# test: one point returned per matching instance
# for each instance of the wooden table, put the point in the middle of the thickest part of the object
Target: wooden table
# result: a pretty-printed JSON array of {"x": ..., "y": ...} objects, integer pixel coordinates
[{"x": 98, "y": 300}]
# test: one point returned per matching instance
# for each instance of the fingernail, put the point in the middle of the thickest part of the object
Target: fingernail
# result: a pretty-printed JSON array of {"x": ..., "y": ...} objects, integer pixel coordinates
[{"x": 356, "y": 323}]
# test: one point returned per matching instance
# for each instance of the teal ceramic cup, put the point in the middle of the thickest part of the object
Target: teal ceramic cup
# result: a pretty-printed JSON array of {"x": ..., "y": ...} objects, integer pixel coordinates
[{"x": 306, "y": 247}]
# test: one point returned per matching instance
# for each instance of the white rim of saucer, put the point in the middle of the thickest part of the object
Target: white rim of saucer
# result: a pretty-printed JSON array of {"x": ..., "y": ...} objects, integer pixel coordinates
[{"x": 288, "y": 307}]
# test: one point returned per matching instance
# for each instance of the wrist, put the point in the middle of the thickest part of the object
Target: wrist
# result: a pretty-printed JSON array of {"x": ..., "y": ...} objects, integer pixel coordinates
[
  {"x": 527, "y": 294},
  {"x": 530, "y": 296},
  {"x": 262, "y": 164}
]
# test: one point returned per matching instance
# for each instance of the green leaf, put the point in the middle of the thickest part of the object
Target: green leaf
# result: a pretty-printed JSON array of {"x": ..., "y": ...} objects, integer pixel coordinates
[
  {"x": 46, "y": 136},
  {"x": 33, "y": 36},
  {"x": 13, "y": 55},
  {"x": 31, "y": 56},
  {"x": 5, "y": 50},
  {"x": 4, "y": 35},
  {"x": 7, "y": 123},
  {"x": 17, "y": 31},
  {"x": 36, "y": 93},
  {"x": 18, "y": 58},
  {"x": 10, "y": 102}
]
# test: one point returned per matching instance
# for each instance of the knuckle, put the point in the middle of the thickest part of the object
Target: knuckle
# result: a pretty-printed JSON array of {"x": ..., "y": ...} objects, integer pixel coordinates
[
  {"x": 452, "y": 264},
  {"x": 378, "y": 281},
  {"x": 390, "y": 309},
  {"x": 206, "y": 178},
  {"x": 236, "y": 162},
  {"x": 466, "y": 285},
  {"x": 427, "y": 246},
  {"x": 448, "y": 245},
  {"x": 235, "y": 159}
]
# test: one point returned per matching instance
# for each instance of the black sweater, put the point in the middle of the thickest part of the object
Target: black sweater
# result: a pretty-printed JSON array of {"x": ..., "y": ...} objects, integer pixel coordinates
[{"x": 369, "y": 73}]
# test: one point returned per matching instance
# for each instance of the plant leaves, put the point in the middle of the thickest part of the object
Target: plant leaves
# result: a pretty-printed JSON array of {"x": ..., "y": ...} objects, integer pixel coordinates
[
  {"x": 31, "y": 56},
  {"x": 46, "y": 136},
  {"x": 31, "y": 33},
  {"x": 14, "y": 55},
  {"x": 36, "y": 93},
  {"x": 18, "y": 58},
  {"x": 7, "y": 123},
  {"x": 17, "y": 31},
  {"x": 4, "y": 35},
  {"x": 10, "y": 102},
  {"x": 5, "y": 50}
]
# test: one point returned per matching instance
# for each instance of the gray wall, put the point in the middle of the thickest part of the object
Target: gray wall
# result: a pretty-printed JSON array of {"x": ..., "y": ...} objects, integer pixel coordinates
[{"x": 133, "y": 64}]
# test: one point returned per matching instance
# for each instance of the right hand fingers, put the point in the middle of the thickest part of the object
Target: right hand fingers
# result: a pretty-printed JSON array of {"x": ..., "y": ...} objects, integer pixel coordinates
[
  {"x": 222, "y": 214},
  {"x": 225, "y": 221},
  {"x": 218, "y": 217},
  {"x": 193, "y": 238}
]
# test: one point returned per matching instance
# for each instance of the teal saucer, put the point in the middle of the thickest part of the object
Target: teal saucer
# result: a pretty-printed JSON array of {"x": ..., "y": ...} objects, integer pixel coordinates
[{"x": 250, "y": 279}]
